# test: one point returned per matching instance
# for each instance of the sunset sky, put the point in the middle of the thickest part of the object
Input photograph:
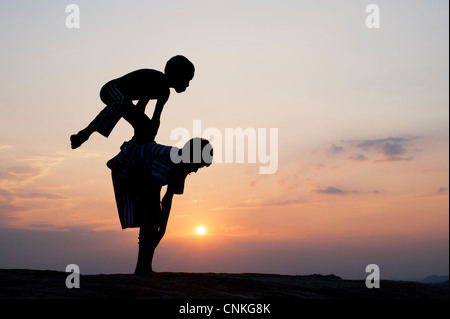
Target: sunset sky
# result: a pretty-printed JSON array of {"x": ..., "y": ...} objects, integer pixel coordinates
[{"x": 363, "y": 135}]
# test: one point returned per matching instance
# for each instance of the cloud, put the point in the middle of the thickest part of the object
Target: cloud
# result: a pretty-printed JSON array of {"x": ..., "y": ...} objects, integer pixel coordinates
[
  {"x": 358, "y": 158},
  {"x": 391, "y": 148},
  {"x": 33, "y": 167},
  {"x": 443, "y": 190},
  {"x": 20, "y": 173},
  {"x": 180, "y": 216},
  {"x": 7, "y": 206},
  {"x": 7, "y": 209},
  {"x": 44, "y": 226},
  {"x": 379, "y": 150},
  {"x": 5, "y": 194},
  {"x": 332, "y": 191},
  {"x": 289, "y": 182},
  {"x": 369, "y": 143},
  {"x": 252, "y": 183},
  {"x": 41, "y": 196},
  {"x": 230, "y": 229},
  {"x": 286, "y": 202},
  {"x": 334, "y": 149},
  {"x": 258, "y": 203},
  {"x": 8, "y": 196},
  {"x": 11, "y": 203},
  {"x": 5, "y": 147}
]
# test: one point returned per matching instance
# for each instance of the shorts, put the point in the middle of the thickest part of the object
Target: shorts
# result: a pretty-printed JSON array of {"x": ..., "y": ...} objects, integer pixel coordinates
[{"x": 115, "y": 103}]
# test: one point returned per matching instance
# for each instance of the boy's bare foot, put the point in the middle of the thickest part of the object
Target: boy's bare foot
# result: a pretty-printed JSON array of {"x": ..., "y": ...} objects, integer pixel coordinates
[{"x": 77, "y": 139}]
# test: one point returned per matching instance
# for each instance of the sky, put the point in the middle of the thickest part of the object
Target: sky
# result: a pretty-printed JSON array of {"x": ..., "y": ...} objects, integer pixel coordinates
[{"x": 360, "y": 154}]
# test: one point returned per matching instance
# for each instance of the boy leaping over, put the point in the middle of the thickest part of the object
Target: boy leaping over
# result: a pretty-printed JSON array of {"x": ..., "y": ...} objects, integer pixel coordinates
[{"x": 141, "y": 85}]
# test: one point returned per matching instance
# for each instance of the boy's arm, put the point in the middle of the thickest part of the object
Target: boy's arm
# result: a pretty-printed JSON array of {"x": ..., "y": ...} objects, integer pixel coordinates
[
  {"x": 159, "y": 107},
  {"x": 142, "y": 103},
  {"x": 157, "y": 114}
]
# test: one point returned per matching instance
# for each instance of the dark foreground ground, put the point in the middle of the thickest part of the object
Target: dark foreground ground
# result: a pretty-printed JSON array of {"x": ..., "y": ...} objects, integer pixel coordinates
[{"x": 36, "y": 284}]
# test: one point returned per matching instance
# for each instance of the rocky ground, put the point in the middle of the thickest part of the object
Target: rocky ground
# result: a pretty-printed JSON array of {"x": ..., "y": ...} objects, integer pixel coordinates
[{"x": 38, "y": 284}]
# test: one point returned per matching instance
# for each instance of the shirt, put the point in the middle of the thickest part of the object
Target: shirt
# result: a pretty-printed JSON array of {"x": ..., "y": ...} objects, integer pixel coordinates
[{"x": 152, "y": 161}]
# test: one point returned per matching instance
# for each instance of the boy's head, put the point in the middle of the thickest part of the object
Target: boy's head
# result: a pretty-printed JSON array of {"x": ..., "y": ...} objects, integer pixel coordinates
[
  {"x": 180, "y": 71},
  {"x": 195, "y": 154}
]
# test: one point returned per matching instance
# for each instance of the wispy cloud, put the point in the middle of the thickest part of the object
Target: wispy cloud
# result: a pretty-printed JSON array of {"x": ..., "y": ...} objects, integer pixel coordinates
[
  {"x": 358, "y": 158},
  {"x": 258, "y": 203},
  {"x": 20, "y": 173},
  {"x": 26, "y": 195},
  {"x": 13, "y": 203},
  {"x": 334, "y": 149},
  {"x": 331, "y": 190},
  {"x": 180, "y": 216},
  {"x": 40, "y": 196},
  {"x": 7, "y": 206},
  {"x": 7, "y": 195},
  {"x": 389, "y": 149},
  {"x": 289, "y": 182},
  {"x": 442, "y": 190},
  {"x": 5, "y": 147}
]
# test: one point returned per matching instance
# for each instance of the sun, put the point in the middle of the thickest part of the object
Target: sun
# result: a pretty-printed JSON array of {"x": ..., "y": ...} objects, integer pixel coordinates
[{"x": 201, "y": 230}]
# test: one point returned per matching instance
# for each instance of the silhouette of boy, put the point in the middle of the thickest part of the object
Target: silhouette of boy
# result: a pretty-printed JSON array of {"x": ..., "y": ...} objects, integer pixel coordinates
[
  {"x": 138, "y": 173},
  {"x": 142, "y": 85}
]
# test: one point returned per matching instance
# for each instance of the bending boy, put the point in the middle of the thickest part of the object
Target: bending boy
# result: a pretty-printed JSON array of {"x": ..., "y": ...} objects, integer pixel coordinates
[
  {"x": 138, "y": 172},
  {"x": 141, "y": 85}
]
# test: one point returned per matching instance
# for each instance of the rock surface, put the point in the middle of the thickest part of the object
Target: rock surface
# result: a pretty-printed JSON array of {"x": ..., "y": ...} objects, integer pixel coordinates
[{"x": 42, "y": 284}]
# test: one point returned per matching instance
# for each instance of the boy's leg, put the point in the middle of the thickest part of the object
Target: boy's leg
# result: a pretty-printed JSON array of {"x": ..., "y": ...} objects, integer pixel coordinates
[
  {"x": 82, "y": 136},
  {"x": 105, "y": 121},
  {"x": 76, "y": 140}
]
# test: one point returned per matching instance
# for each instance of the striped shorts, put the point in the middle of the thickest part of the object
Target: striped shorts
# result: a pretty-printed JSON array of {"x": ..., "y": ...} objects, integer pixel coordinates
[{"x": 115, "y": 104}]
